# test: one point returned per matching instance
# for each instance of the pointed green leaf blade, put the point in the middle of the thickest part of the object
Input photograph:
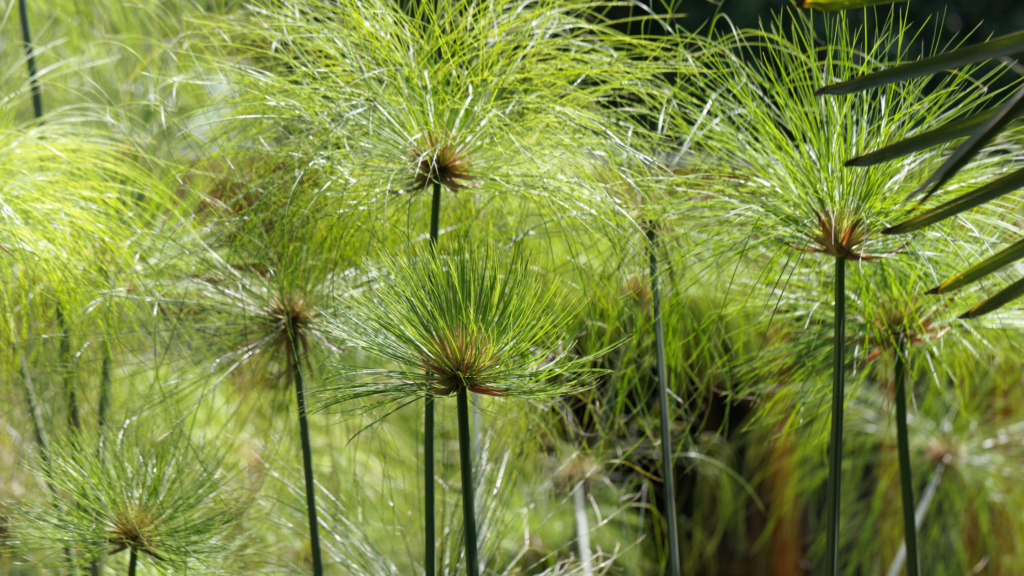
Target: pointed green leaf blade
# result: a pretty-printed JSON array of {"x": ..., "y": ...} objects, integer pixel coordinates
[
  {"x": 1005, "y": 296},
  {"x": 832, "y": 5},
  {"x": 1002, "y": 46},
  {"x": 982, "y": 269},
  {"x": 1012, "y": 108},
  {"x": 986, "y": 193},
  {"x": 941, "y": 135}
]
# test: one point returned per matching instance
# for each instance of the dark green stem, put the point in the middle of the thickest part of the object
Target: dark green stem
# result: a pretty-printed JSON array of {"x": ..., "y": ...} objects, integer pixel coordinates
[
  {"x": 132, "y": 561},
  {"x": 96, "y": 565},
  {"x": 466, "y": 459},
  {"x": 26, "y": 38},
  {"x": 835, "y": 448},
  {"x": 104, "y": 408},
  {"x": 906, "y": 478},
  {"x": 67, "y": 374},
  {"x": 38, "y": 429},
  {"x": 667, "y": 461},
  {"x": 34, "y": 412},
  {"x": 428, "y": 423},
  {"x": 307, "y": 459}
]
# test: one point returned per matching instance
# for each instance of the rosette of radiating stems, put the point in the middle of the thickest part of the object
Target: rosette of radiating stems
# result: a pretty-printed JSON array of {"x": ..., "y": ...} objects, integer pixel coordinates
[
  {"x": 158, "y": 496},
  {"x": 791, "y": 200},
  {"x": 455, "y": 320},
  {"x": 254, "y": 279}
]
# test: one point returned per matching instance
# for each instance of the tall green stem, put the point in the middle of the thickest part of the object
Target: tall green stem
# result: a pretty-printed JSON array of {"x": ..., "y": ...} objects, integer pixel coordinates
[
  {"x": 667, "y": 462},
  {"x": 466, "y": 460},
  {"x": 96, "y": 564},
  {"x": 835, "y": 449},
  {"x": 26, "y": 38},
  {"x": 67, "y": 374},
  {"x": 428, "y": 422},
  {"x": 906, "y": 478},
  {"x": 922, "y": 510},
  {"x": 36, "y": 414},
  {"x": 38, "y": 428},
  {"x": 307, "y": 458},
  {"x": 132, "y": 561},
  {"x": 104, "y": 407}
]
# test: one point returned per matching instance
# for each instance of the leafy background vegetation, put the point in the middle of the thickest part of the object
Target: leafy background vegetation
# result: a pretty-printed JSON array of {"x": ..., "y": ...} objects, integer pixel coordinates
[{"x": 203, "y": 220}]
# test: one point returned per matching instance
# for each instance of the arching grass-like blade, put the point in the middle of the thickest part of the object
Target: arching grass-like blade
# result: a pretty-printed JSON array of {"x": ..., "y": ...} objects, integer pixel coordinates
[
  {"x": 1011, "y": 109},
  {"x": 1008, "y": 294},
  {"x": 1002, "y": 46},
  {"x": 986, "y": 193},
  {"x": 945, "y": 133},
  {"x": 984, "y": 268}
]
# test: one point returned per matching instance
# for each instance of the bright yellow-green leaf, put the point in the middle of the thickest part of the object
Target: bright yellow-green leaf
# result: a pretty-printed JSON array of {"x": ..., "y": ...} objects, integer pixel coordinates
[{"x": 971, "y": 54}]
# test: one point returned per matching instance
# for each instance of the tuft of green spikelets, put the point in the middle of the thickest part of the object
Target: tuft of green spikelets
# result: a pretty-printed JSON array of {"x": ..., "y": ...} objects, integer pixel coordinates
[
  {"x": 162, "y": 498},
  {"x": 465, "y": 316}
]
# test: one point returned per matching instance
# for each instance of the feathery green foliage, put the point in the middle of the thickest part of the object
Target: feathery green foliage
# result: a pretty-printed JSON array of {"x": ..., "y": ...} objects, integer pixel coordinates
[
  {"x": 162, "y": 499},
  {"x": 465, "y": 318}
]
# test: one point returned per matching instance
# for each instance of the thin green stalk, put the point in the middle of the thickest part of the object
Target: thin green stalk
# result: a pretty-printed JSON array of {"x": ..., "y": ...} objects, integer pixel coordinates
[
  {"x": 104, "y": 407},
  {"x": 922, "y": 510},
  {"x": 26, "y": 38},
  {"x": 67, "y": 375},
  {"x": 435, "y": 213},
  {"x": 835, "y": 452},
  {"x": 466, "y": 460},
  {"x": 133, "y": 560},
  {"x": 38, "y": 428},
  {"x": 906, "y": 478},
  {"x": 667, "y": 462},
  {"x": 307, "y": 458},
  {"x": 428, "y": 422},
  {"x": 96, "y": 565}
]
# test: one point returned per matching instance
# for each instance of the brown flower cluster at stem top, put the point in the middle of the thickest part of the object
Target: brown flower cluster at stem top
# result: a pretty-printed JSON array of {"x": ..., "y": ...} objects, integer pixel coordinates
[
  {"x": 841, "y": 238},
  {"x": 461, "y": 358},
  {"x": 134, "y": 529},
  {"x": 438, "y": 159}
]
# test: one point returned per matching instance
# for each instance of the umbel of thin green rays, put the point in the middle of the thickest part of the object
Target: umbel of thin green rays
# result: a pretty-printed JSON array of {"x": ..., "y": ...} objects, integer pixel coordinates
[
  {"x": 160, "y": 498},
  {"x": 455, "y": 321},
  {"x": 254, "y": 282},
  {"x": 499, "y": 100},
  {"x": 784, "y": 149}
]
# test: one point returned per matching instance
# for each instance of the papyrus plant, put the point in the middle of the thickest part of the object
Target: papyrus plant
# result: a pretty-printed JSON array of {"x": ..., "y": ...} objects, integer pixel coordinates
[
  {"x": 783, "y": 150},
  {"x": 248, "y": 283},
  {"x": 985, "y": 131},
  {"x": 454, "y": 321},
  {"x": 159, "y": 497}
]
